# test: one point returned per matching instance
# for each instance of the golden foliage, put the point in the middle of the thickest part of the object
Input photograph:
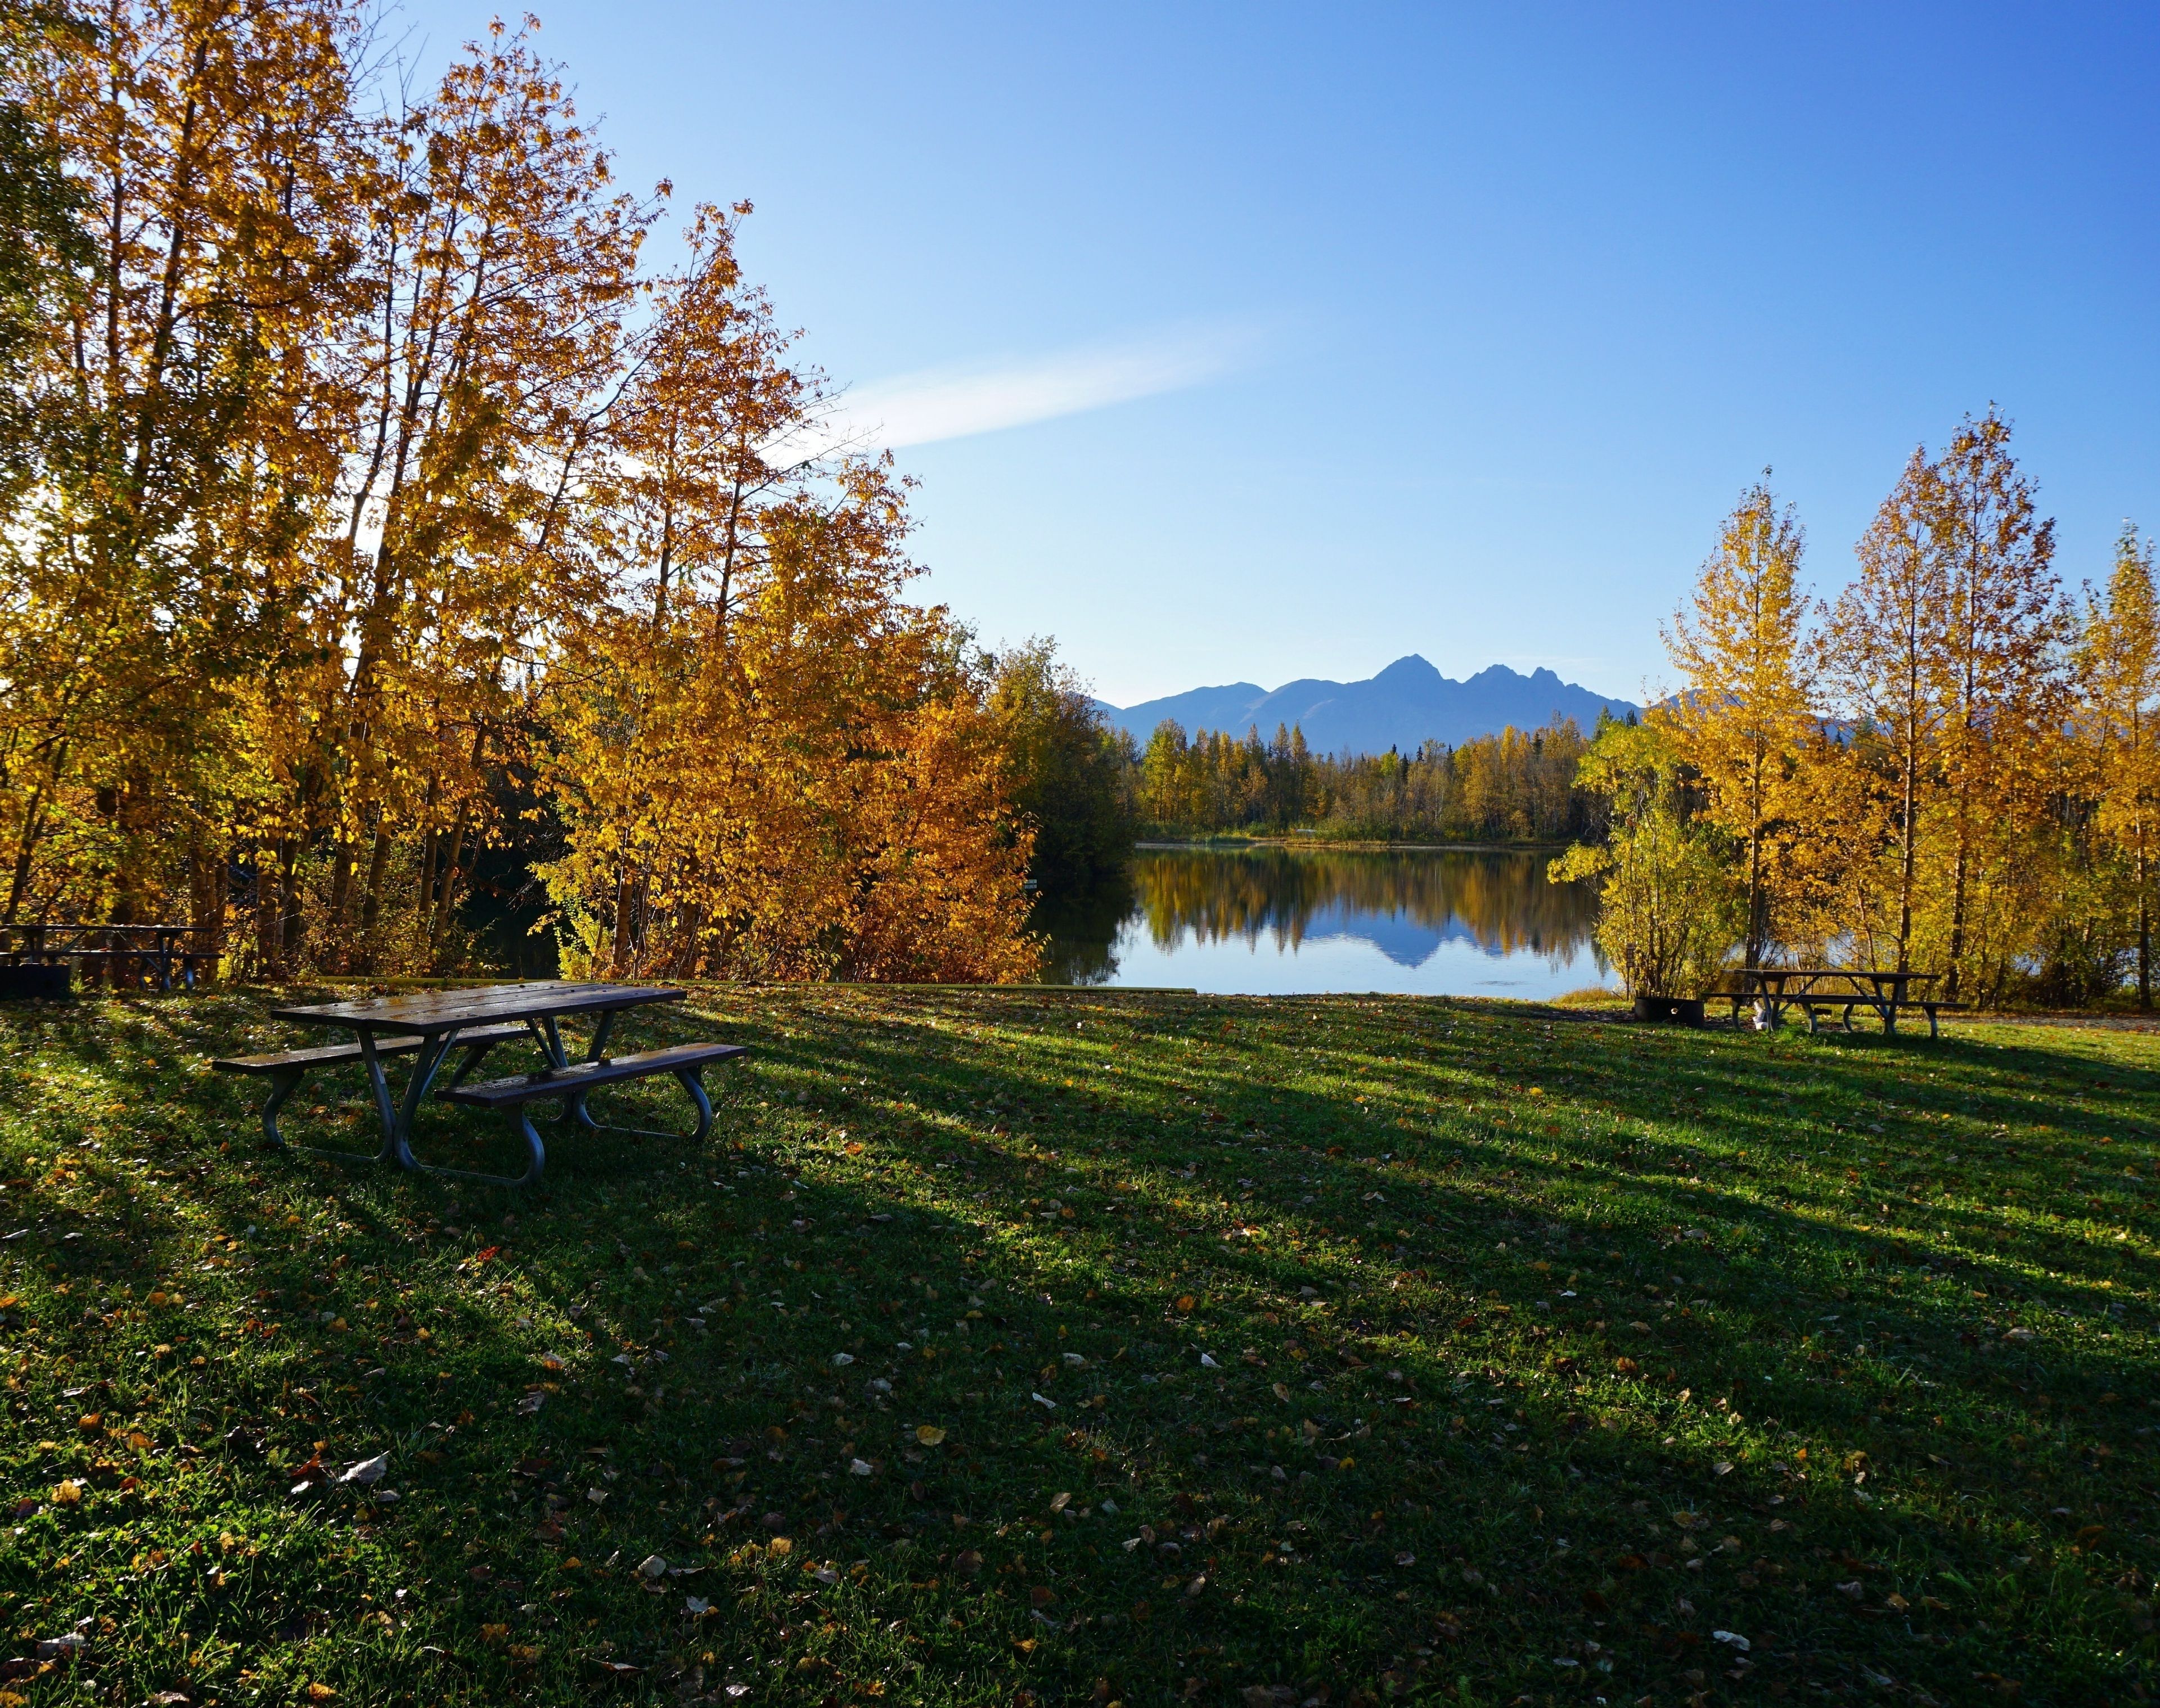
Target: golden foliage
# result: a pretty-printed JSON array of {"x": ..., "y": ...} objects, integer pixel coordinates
[{"x": 372, "y": 490}]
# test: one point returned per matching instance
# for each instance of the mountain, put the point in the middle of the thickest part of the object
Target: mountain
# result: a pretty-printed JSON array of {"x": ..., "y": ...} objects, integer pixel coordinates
[{"x": 1404, "y": 704}]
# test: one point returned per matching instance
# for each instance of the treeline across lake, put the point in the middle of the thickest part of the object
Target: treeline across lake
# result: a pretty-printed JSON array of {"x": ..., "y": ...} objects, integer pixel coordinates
[
  {"x": 384, "y": 533},
  {"x": 1515, "y": 787}
]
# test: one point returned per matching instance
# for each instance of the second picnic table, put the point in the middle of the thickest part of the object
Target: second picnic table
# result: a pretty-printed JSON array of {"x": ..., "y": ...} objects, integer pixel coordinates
[
  {"x": 1882, "y": 991},
  {"x": 429, "y": 1024}
]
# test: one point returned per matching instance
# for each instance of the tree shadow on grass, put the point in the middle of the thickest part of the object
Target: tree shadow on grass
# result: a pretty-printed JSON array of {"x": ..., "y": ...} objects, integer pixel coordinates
[{"x": 1375, "y": 1228}]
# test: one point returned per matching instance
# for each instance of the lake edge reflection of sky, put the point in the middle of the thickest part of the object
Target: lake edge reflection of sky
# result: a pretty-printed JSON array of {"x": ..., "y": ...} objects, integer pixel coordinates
[{"x": 1278, "y": 921}]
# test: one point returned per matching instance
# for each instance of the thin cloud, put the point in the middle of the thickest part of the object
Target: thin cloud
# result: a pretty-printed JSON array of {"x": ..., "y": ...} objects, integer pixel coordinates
[{"x": 957, "y": 403}]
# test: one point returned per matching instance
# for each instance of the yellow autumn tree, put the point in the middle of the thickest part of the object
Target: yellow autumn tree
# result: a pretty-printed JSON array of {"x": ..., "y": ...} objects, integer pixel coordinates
[
  {"x": 767, "y": 762},
  {"x": 1881, "y": 649},
  {"x": 500, "y": 267},
  {"x": 1998, "y": 677},
  {"x": 1745, "y": 716},
  {"x": 2118, "y": 674},
  {"x": 161, "y": 542}
]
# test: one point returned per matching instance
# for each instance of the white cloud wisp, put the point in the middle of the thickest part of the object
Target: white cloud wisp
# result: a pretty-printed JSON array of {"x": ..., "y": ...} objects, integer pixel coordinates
[{"x": 957, "y": 403}]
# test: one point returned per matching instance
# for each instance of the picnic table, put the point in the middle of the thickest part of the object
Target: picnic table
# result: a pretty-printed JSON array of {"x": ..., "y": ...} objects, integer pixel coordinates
[
  {"x": 156, "y": 953},
  {"x": 1882, "y": 991},
  {"x": 429, "y": 1024}
]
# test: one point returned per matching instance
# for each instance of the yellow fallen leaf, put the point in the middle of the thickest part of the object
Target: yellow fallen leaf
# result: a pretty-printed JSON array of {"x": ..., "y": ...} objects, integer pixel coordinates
[
  {"x": 492, "y": 1634},
  {"x": 929, "y": 1434},
  {"x": 139, "y": 1441},
  {"x": 780, "y": 1544},
  {"x": 1060, "y": 1501},
  {"x": 1185, "y": 1302},
  {"x": 321, "y": 1693},
  {"x": 68, "y": 1493}
]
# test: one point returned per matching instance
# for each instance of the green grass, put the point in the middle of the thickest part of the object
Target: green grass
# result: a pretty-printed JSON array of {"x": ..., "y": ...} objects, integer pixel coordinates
[{"x": 1385, "y": 1349}]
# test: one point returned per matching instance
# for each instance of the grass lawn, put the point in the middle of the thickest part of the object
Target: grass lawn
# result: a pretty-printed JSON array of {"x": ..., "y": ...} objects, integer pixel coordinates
[{"x": 1056, "y": 1349}]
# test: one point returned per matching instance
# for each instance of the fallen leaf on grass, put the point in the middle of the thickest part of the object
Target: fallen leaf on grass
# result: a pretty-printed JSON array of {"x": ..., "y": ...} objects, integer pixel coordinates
[
  {"x": 367, "y": 1473},
  {"x": 1282, "y": 1391},
  {"x": 929, "y": 1434},
  {"x": 1060, "y": 1501},
  {"x": 1732, "y": 1638},
  {"x": 1625, "y": 1367},
  {"x": 68, "y": 1493}
]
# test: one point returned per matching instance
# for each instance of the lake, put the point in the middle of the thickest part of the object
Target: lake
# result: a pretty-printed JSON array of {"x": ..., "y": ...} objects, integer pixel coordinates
[{"x": 1281, "y": 922}]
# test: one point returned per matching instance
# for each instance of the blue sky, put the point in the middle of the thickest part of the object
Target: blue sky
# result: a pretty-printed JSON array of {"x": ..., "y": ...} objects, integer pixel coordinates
[{"x": 1249, "y": 342}]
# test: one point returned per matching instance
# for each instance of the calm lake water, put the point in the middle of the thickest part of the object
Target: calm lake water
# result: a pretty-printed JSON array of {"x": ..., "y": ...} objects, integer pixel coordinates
[{"x": 1270, "y": 920}]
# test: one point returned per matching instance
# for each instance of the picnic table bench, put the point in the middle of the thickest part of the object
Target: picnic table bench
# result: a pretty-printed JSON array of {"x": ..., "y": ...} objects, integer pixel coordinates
[
  {"x": 426, "y": 1025},
  {"x": 1817, "y": 990}
]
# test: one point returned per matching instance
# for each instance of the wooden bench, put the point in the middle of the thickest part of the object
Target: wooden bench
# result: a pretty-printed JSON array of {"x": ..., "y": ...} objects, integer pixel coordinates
[
  {"x": 286, "y": 1068},
  {"x": 574, "y": 1084}
]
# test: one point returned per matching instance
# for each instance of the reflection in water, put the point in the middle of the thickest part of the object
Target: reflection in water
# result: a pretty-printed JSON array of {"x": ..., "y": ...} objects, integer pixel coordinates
[{"x": 1281, "y": 919}]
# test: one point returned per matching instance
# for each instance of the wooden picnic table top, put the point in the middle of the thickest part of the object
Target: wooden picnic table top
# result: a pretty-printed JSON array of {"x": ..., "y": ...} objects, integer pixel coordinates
[
  {"x": 431, "y": 1012},
  {"x": 1874, "y": 975}
]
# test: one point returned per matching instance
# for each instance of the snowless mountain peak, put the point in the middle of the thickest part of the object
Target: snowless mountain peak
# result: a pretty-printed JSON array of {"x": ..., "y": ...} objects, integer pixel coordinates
[{"x": 1404, "y": 705}]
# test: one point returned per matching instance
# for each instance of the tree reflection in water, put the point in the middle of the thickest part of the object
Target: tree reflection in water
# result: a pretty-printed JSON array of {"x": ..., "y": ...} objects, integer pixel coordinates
[{"x": 1405, "y": 903}]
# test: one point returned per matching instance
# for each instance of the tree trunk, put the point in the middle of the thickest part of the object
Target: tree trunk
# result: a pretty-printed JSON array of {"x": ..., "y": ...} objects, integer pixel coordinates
[
  {"x": 1957, "y": 901},
  {"x": 206, "y": 902},
  {"x": 2144, "y": 926},
  {"x": 18, "y": 883},
  {"x": 370, "y": 906},
  {"x": 449, "y": 882},
  {"x": 1905, "y": 857}
]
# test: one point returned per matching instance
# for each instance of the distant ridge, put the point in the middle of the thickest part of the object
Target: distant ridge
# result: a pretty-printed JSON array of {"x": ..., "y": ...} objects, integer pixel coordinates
[{"x": 1408, "y": 702}]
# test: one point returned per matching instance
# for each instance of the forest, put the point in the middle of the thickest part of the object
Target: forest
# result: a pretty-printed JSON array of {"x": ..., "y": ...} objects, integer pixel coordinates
[
  {"x": 400, "y": 563},
  {"x": 1949, "y": 764},
  {"x": 1515, "y": 787}
]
